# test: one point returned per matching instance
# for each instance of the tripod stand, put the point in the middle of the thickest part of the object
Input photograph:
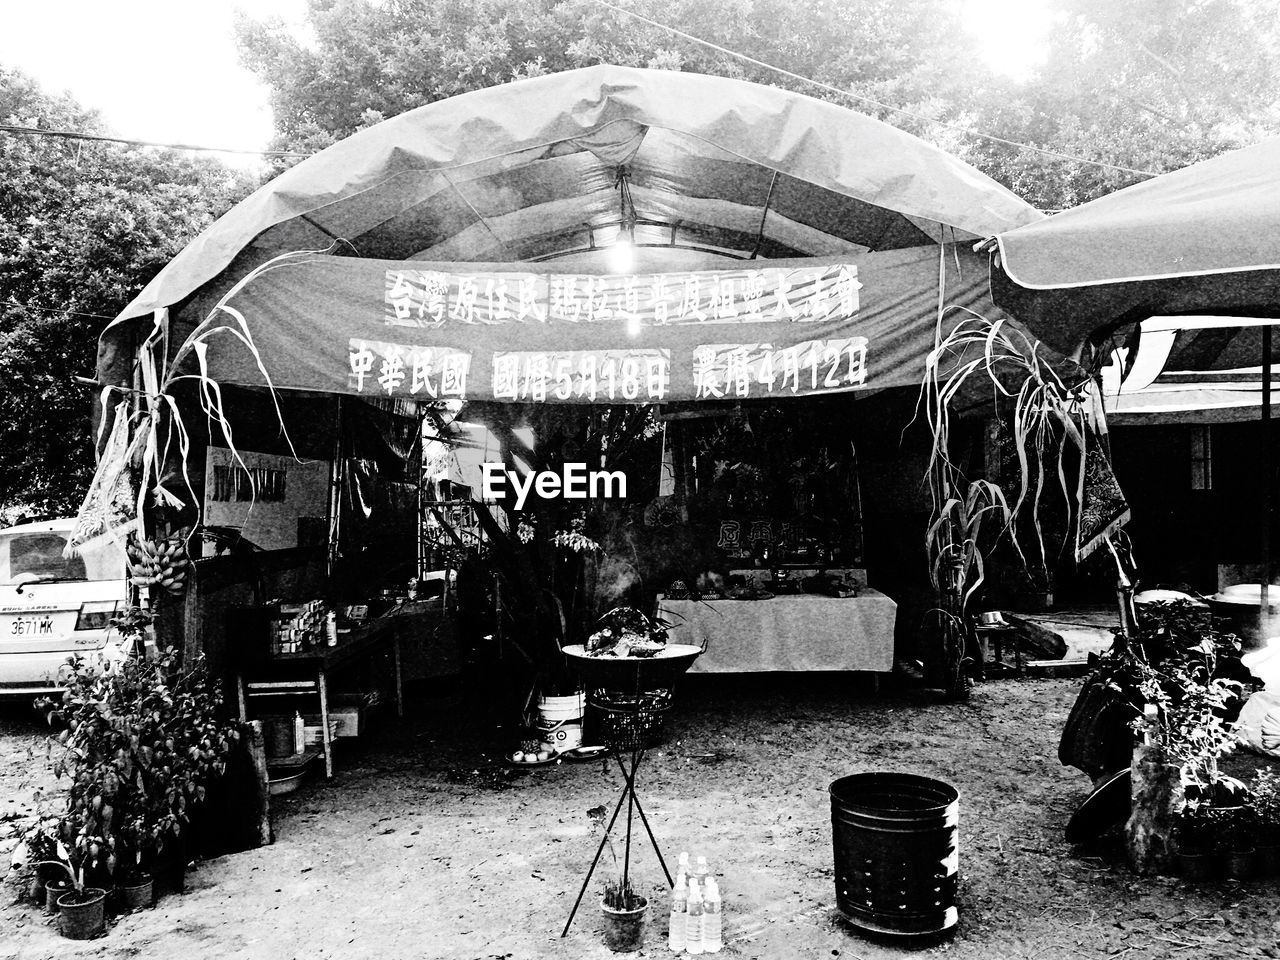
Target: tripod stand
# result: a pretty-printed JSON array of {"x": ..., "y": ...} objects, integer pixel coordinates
[
  {"x": 627, "y": 721},
  {"x": 633, "y": 804}
]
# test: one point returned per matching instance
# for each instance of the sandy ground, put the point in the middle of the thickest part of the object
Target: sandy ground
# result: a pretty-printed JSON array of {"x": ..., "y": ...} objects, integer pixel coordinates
[{"x": 427, "y": 846}]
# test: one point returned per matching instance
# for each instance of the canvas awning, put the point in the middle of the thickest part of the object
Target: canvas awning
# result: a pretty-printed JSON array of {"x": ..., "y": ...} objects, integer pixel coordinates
[
  {"x": 724, "y": 174},
  {"x": 1204, "y": 239}
]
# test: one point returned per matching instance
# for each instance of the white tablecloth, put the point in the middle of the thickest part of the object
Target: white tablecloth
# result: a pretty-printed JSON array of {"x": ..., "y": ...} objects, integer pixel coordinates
[{"x": 797, "y": 632}]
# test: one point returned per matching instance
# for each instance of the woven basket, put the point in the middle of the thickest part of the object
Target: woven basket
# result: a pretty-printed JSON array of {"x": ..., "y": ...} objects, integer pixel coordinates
[{"x": 628, "y": 722}]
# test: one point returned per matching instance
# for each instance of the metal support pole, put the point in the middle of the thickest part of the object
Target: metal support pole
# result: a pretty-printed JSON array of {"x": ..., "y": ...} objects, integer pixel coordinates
[
  {"x": 1268, "y": 480},
  {"x": 626, "y": 856}
]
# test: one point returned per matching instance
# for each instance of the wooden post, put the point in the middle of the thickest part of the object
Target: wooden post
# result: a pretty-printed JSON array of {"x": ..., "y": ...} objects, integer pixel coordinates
[
  {"x": 252, "y": 735},
  {"x": 1154, "y": 805},
  {"x": 322, "y": 685}
]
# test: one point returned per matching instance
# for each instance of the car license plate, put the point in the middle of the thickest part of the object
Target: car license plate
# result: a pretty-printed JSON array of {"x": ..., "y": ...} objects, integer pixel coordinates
[{"x": 39, "y": 626}]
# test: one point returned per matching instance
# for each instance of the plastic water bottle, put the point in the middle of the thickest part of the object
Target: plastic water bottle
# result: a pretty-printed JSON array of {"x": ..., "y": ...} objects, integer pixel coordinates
[
  {"x": 679, "y": 919},
  {"x": 682, "y": 868},
  {"x": 299, "y": 734},
  {"x": 712, "y": 941},
  {"x": 700, "y": 871},
  {"x": 693, "y": 929}
]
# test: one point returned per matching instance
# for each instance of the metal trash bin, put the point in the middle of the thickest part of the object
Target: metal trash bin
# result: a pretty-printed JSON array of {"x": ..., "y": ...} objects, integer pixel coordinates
[{"x": 895, "y": 837}]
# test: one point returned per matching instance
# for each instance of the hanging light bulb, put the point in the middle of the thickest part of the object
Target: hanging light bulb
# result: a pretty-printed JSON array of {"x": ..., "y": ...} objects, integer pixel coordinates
[{"x": 622, "y": 254}]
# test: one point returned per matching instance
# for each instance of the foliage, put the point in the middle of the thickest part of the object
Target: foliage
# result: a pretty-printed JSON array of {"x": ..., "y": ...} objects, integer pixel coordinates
[
  {"x": 1046, "y": 412},
  {"x": 1149, "y": 85},
  {"x": 575, "y": 539},
  {"x": 41, "y": 840},
  {"x": 373, "y": 60},
  {"x": 142, "y": 742},
  {"x": 1192, "y": 726},
  {"x": 1264, "y": 801},
  {"x": 953, "y": 538},
  {"x": 1144, "y": 85},
  {"x": 1174, "y": 638},
  {"x": 1192, "y": 674},
  {"x": 83, "y": 226}
]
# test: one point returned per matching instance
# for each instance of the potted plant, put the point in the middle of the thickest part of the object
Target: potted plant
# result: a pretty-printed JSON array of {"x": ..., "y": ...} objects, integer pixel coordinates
[
  {"x": 41, "y": 856},
  {"x": 1264, "y": 800},
  {"x": 82, "y": 909},
  {"x": 134, "y": 887},
  {"x": 1198, "y": 838},
  {"x": 623, "y": 909},
  {"x": 1240, "y": 854},
  {"x": 142, "y": 742}
]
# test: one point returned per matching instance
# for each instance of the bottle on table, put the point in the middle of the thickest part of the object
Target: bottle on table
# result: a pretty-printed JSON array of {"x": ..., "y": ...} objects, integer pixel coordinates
[
  {"x": 693, "y": 928},
  {"x": 712, "y": 937},
  {"x": 678, "y": 925}
]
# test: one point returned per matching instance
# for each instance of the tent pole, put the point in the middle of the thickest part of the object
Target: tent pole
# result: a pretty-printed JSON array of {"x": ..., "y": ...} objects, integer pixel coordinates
[
  {"x": 335, "y": 493},
  {"x": 1264, "y": 608}
]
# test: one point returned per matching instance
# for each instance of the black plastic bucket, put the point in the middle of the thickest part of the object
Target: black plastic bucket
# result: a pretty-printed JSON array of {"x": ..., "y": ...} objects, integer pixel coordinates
[{"x": 896, "y": 843}]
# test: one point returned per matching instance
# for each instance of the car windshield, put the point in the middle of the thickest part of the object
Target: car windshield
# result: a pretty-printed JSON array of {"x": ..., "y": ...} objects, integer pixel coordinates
[{"x": 35, "y": 556}]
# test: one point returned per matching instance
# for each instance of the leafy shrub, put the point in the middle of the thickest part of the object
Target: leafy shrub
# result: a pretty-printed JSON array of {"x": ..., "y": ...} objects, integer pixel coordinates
[{"x": 142, "y": 741}]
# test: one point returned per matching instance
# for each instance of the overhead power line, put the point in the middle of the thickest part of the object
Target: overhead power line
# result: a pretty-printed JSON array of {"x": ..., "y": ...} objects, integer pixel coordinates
[
  {"x": 58, "y": 311},
  {"x": 992, "y": 138},
  {"x": 868, "y": 100},
  {"x": 75, "y": 135}
]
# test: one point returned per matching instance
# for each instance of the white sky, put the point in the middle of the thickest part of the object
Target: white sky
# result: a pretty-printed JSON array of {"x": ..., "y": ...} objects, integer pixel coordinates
[
  {"x": 163, "y": 70},
  {"x": 1011, "y": 33},
  {"x": 166, "y": 70}
]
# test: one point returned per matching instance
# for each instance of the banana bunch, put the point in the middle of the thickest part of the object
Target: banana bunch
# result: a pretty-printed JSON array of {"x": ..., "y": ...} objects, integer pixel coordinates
[{"x": 161, "y": 563}]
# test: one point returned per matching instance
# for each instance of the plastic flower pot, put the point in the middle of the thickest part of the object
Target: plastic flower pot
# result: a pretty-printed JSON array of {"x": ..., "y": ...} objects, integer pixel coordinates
[
  {"x": 45, "y": 871},
  {"x": 1241, "y": 864},
  {"x": 138, "y": 893},
  {"x": 624, "y": 929},
  {"x": 1197, "y": 865},
  {"x": 53, "y": 890},
  {"x": 1268, "y": 863},
  {"x": 82, "y": 915}
]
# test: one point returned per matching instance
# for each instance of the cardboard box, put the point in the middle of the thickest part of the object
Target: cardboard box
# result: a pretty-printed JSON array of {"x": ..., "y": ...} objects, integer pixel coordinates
[
  {"x": 344, "y": 721},
  {"x": 311, "y": 729}
]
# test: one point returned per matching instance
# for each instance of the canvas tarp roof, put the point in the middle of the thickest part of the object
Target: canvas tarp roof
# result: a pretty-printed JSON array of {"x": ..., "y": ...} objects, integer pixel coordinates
[
  {"x": 525, "y": 172},
  {"x": 1204, "y": 239}
]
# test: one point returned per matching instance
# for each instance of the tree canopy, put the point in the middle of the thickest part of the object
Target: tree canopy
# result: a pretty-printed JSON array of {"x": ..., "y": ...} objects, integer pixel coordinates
[
  {"x": 1149, "y": 85},
  {"x": 83, "y": 226}
]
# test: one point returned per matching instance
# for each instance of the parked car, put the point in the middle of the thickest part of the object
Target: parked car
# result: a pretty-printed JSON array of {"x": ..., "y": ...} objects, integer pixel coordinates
[{"x": 53, "y": 606}]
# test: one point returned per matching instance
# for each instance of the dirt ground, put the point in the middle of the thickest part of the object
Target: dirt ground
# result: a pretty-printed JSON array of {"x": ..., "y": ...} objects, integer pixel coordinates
[{"x": 426, "y": 845}]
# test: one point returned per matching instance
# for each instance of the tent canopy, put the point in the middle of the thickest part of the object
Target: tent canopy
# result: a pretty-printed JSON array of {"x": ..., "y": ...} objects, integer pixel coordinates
[
  {"x": 1189, "y": 398},
  {"x": 719, "y": 171},
  {"x": 1204, "y": 239},
  {"x": 526, "y": 171}
]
